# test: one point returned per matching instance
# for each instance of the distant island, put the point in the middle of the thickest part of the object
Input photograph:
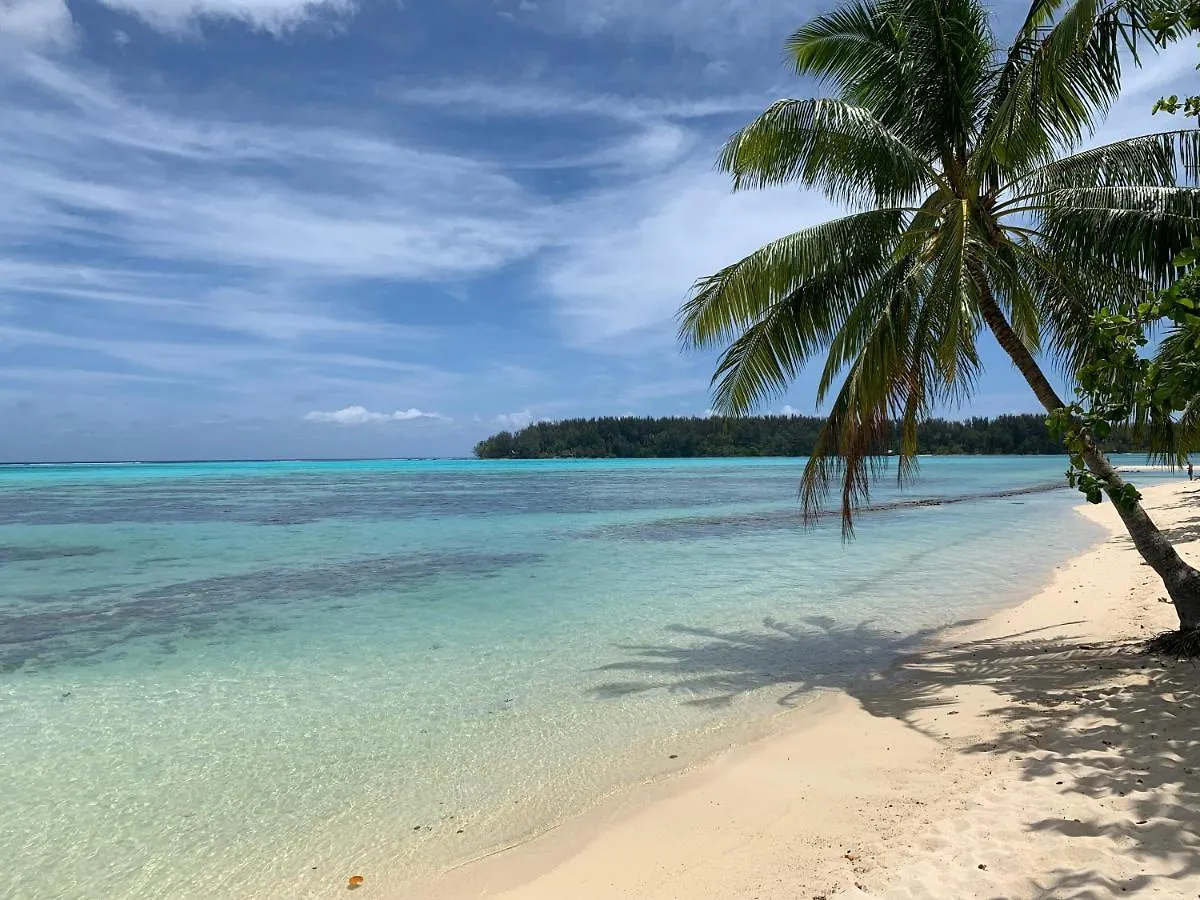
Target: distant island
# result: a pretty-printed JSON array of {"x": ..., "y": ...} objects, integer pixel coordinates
[{"x": 644, "y": 438}]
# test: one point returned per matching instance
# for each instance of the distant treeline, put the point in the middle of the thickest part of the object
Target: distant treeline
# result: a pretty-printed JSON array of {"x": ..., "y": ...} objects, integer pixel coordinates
[{"x": 758, "y": 436}]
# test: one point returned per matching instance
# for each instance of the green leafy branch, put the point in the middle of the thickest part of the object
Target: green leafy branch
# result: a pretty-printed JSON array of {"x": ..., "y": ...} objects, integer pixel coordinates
[
  {"x": 1168, "y": 22},
  {"x": 1109, "y": 387},
  {"x": 1119, "y": 386}
]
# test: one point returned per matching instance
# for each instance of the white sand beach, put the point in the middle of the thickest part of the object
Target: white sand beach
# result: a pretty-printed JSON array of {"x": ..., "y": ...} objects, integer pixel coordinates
[{"x": 1034, "y": 754}]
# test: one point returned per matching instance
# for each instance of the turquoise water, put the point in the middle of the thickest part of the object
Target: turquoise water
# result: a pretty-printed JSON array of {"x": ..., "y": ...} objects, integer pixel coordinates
[{"x": 254, "y": 679}]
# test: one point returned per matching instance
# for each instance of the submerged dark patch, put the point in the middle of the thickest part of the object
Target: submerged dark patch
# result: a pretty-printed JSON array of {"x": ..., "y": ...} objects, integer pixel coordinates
[
  {"x": 701, "y": 527},
  {"x": 10, "y": 554},
  {"x": 302, "y": 499},
  {"x": 52, "y": 628}
]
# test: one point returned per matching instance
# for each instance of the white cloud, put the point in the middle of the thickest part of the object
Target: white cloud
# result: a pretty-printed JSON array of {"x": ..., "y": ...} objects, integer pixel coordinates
[
  {"x": 240, "y": 240},
  {"x": 173, "y": 263},
  {"x": 535, "y": 100},
  {"x": 646, "y": 132},
  {"x": 790, "y": 411},
  {"x": 269, "y": 15},
  {"x": 408, "y": 415},
  {"x": 272, "y": 311},
  {"x": 85, "y": 164},
  {"x": 516, "y": 421},
  {"x": 360, "y": 415},
  {"x": 48, "y": 23},
  {"x": 631, "y": 254},
  {"x": 36, "y": 23},
  {"x": 712, "y": 26},
  {"x": 257, "y": 378},
  {"x": 1157, "y": 71},
  {"x": 630, "y": 251}
]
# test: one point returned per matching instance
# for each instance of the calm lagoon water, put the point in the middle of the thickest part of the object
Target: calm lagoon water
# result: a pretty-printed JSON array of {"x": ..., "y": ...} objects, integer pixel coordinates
[{"x": 252, "y": 680}]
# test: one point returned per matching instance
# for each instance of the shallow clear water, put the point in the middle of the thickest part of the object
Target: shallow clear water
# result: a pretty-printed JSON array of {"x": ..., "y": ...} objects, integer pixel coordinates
[{"x": 252, "y": 680}]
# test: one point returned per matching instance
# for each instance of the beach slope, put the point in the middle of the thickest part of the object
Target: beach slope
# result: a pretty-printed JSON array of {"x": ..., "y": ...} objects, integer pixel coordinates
[{"x": 1034, "y": 754}]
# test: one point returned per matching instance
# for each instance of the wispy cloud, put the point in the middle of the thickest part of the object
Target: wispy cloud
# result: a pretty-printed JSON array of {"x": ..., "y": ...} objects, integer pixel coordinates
[
  {"x": 641, "y": 133},
  {"x": 360, "y": 415},
  {"x": 36, "y": 23},
  {"x": 633, "y": 248},
  {"x": 253, "y": 378},
  {"x": 180, "y": 248},
  {"x": 636, "y": 249},
  {"x": 147, "y": 297},
  {"x": 48, "y": 23},
  {"x": 85, "y": 164},
  {"x": 229, "y": 254},
  {"x": 269, "y": 15},
  {"x": 713, "y": 26},
  {"x": 539, "y": 100}
]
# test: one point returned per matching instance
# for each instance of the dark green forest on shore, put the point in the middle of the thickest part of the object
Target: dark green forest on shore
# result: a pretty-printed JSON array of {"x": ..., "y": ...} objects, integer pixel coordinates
[{"x": 614, "y": 437}]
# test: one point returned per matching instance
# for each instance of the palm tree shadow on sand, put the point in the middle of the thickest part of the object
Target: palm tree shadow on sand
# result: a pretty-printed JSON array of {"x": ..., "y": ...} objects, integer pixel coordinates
[
  {"x": 717, "y": 667},
  {"x": 1141, "y": 735}
]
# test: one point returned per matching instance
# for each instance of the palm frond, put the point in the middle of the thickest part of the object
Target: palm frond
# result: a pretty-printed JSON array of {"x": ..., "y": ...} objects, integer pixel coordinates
[
  {"x": 1165, "y": 159},
  {"x": 771, "y": 352},
  {"x": 1139, "y": 229},
  {"x": 857, "y": 48},
  {"x": 1059, "y": 80},
  {"x": 1024, "y": 46},
  {"x": 1067, "y": 293},
  {"x": 949, "y": 45},
  {"x": 738, "y": 296},
  {"x": 1015, "y": 292},
  {"x": 955, "y": 142},
  {"x": 903, "y": 280},
  {"x": 894, "y": 380},
  {"x": 1171, "y": 437},
  {"x": 842, "y": 150},
  {"x": 877, "y": 389},
  {"x": 880, "y": 56}
]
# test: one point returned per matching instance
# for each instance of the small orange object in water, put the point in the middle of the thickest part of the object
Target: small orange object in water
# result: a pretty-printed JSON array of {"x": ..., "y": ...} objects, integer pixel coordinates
[{"x": 355, "y": 881}]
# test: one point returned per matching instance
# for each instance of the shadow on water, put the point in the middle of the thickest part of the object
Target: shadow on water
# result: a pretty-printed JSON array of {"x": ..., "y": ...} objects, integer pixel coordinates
[{"x": 1104, "y": 735}]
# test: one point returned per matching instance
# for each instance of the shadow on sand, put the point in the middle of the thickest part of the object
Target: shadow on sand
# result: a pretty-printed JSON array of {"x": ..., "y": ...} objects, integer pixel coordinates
[{"x": 1145, "y": 733}]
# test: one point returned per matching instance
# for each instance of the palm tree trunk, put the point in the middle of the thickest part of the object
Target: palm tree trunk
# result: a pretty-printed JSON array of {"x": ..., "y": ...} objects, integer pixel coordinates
[{"x": 1181, "y": 580}]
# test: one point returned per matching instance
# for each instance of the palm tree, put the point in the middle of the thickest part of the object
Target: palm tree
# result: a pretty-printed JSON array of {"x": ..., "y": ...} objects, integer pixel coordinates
[{"x": 970, "y": 205}]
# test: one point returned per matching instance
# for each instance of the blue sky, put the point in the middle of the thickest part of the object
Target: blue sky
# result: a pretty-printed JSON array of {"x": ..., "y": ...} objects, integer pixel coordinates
[{"x": 297, "y": 228}]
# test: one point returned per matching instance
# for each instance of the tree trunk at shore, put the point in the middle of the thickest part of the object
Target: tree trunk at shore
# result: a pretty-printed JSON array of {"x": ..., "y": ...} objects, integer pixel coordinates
[{"x": 1181, "y": 580}]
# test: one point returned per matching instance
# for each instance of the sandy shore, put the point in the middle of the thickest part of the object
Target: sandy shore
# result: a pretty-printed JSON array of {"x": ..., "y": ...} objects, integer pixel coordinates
[{"x": 1030, "y": 755}]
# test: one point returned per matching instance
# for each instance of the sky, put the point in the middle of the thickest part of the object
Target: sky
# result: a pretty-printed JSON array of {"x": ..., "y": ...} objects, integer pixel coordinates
[{"x": 360, "y": 228}]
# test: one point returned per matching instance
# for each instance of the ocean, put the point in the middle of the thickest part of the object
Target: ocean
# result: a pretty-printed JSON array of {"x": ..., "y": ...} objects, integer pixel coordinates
[{"x": 253, "y": 680}]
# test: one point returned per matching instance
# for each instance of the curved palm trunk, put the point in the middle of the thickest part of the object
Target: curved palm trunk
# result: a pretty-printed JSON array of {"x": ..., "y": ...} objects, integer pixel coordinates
[{"x": 1181, "y": 580}]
